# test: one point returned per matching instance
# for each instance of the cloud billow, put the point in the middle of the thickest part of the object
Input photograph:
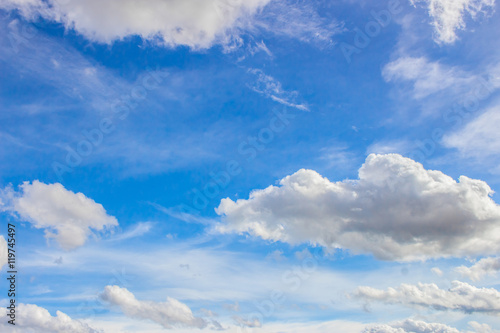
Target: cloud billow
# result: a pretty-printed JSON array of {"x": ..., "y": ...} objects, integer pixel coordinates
[
  {"x": 396, "y": 210},
  {"x": 66, "y": 216}
]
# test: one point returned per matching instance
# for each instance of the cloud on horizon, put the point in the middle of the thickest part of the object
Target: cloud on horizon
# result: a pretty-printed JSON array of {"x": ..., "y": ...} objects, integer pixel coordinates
[
  {"x": 460, "y": 297},
  {"x": 31, "y": 318}
]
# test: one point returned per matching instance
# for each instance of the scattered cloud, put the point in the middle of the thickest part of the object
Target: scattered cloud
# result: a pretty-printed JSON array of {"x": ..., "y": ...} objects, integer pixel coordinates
[
  {"x": 485, "y": 266},
  {"x": 396, "y": 210},
  {"x": 72, "y": 216},
  {"x": 448, "y": 16},
  {"x": 461, "y": 297},
  {"x": 31, "y": 318},
  {"x": 170, "y": 313}
]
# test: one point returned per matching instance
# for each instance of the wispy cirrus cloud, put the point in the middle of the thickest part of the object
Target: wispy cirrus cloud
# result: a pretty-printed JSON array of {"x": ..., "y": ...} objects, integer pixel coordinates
[
  {"x": 428, "y": 77},
  {"x": 273, "y": 89},
  {"x": 137, "y": 230},
  {"x": 479, "y": 138}
]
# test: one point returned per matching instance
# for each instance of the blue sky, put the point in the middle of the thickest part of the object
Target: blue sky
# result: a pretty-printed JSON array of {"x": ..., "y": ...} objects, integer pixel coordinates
[{"x": 251, "y": 166}]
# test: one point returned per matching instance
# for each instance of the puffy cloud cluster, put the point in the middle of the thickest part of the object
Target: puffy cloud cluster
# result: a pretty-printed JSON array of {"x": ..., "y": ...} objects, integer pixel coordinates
[
  {"x": 171, "y": 313},
  {"x": 194, "y": 23},
  {"x": 449, "y": 16},
  {"x": 31, "y": 318},
  {"x": 460, "y": 297},
  {"x": 485, "y": 266},
  {"x": 396, "y": 210},
  {"x": 72, "y": 216}
]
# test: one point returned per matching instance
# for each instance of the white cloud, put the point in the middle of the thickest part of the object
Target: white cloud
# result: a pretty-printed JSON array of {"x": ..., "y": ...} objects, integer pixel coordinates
[
  {"x": 485, "y": 266},
  {"x": 437, "y": 271},
  {"x": 419, "y": 326},
  {"x": 481, "y": 328},
  {"x": 31, "y": 318},
  {"x": 390, "y": 147},
  {"x": 411, "y": 326},
  {"x": 396, "y": 210},
  {"x": 448, "y": 16},
  {"x": 137, "y": 230},
  {"x": 197, "y": 24},
  {"x": 253, "y": 322},
  {"x": 480, "y": 137},
  {"x": 170, "y": 313},
  {"x": 71, "y": 215},
  {"x": 272, "y": 326},
  {"x": 272, "y": 88},
  {"x": 460, "y": 297},
  {"x": 428, "y": 77},
  {"x": 3, "y": 251}
]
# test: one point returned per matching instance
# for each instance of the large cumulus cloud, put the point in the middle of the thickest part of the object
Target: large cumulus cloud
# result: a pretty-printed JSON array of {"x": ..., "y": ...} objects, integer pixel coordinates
[
  {"x": 193, "y": 23},
  {"x": 396, "y": 210}
]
